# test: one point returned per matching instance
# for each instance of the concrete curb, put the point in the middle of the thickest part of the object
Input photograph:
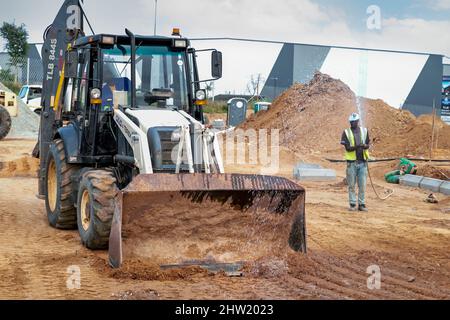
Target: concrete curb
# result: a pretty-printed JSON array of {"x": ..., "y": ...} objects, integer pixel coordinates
[
  {"x": 313, "y": 172},
  {"x": 431, "y": 184},
  {"x": 411, "y": 180},
  {"x": 434, "y": 185},
  {"x": 445, "y": 188}
]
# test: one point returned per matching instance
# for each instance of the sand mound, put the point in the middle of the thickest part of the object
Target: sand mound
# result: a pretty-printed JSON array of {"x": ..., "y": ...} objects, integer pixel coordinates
[
  {"x": 434, "y": 172},
  {"x": 26, "y": 124},
  {"x": 23, "y": 167},
  {"x": 146, "y": 270},
  {"x": 169, "y": 229},
  {"x": 312, "y": 117}
]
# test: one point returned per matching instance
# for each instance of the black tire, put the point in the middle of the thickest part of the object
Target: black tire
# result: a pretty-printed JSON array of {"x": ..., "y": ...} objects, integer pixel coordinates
[
  {"x": 95, "y": 208},
  {"x": 59, "y": 200},
  {"x": 5, "y": 122}
]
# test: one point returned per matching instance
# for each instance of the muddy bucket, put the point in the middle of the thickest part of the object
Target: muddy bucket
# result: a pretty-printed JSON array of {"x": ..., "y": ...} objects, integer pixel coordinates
[{"x": 171, "y": 218}]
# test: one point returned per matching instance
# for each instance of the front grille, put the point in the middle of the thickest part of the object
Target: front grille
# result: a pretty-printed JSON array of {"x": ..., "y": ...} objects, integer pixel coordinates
[
  {"x": 162, "y": 147},
  {"x": 168, "y": 147}
]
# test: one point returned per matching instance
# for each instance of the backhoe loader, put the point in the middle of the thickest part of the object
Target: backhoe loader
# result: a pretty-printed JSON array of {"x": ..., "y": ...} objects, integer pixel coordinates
[{"x": 125, "y": 156}]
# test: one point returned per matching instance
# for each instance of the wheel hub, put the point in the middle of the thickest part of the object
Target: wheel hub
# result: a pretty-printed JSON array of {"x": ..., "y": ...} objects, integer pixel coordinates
[
  {"x": 52, "y": 185},
  {"x": 85, "y": 210}
]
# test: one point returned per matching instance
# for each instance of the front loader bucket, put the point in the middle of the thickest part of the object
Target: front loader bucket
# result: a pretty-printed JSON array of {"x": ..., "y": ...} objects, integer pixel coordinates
[{"x": 171, "y": 218}]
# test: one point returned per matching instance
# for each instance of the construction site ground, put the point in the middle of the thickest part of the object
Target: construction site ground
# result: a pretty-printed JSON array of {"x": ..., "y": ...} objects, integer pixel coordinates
[{"x": 405, "y": 236}]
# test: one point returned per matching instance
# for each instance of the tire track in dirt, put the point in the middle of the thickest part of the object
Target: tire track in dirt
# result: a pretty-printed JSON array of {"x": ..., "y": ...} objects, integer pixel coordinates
[
  {"x": 396, "y": 281},
  {"x": 392, "y": 287},
  {"x": 353, "y": 282}
]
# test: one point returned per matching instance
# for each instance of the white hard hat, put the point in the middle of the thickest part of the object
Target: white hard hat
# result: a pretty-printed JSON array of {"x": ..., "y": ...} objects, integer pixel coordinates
[{"x": 354, "y": 117}]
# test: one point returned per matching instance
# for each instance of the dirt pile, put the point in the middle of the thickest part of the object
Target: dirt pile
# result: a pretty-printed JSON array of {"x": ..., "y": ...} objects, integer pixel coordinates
[
  {"x": 142, "y": 270},
  {"x": 170, "y": 229},
  {"x": 23, "y": 167},
  {"x": 300, "y": 111},
  {"x": 434, "y": 172},
  {"x": 312, "y": 117},
  {"x": 16, "y": 159},
  {"x": 399, "y": 133}
]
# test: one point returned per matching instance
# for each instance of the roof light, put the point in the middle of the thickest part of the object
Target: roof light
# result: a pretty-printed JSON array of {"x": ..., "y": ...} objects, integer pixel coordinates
[
  {"x": 180, "y": 43},
  {"x": 176, "y": 32},
  {"x": 108, "y": 40}
]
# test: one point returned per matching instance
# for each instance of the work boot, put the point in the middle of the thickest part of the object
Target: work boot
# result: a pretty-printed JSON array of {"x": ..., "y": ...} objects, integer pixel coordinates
[
  {"x": 362, "y": 207},
  {"x": 352, "y": 207}
]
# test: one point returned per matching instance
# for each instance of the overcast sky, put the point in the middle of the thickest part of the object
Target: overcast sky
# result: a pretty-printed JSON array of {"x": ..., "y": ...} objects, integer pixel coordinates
[{"x": 413, "y": 25}]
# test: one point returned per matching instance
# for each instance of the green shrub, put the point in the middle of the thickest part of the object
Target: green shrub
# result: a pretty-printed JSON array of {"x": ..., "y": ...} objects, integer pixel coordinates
[
  {"x": 215, "y": 107},
  {"x": 13, "y": 86},
  {"x": 7, "y": 78}
]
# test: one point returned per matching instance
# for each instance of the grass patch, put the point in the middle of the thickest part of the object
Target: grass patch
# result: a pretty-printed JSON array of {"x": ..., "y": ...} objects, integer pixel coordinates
[
  {"x": 221, "y": 107},
  {"x": 215, "y": 107}
]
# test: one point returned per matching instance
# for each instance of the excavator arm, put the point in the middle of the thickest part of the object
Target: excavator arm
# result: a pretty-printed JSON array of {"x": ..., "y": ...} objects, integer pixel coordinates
[{"x": 67, "y": 27}]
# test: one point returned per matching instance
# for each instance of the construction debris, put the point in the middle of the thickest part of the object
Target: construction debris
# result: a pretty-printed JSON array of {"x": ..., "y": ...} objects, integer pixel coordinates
[{"x": 431, "y": 199}]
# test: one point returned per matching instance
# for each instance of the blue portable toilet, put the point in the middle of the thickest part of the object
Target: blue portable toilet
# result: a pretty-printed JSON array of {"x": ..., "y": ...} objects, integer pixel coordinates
[{"x": 237, "y": 111}]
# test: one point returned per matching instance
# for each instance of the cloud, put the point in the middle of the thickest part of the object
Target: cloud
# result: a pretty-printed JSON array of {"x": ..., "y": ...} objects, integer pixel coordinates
[
  {"x": 243, "y": 18},
  {"x": 439, "y": 4},
  {"x": 303, "y": 21},
  {"x": 412, "y": 34}
]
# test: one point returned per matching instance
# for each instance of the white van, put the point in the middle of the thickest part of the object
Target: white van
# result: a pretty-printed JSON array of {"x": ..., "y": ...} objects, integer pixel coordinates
[{"x": 31, "y": 95}]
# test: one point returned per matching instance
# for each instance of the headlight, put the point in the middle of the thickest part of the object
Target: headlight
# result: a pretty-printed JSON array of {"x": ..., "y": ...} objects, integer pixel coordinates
[
  {"x": 200, "y": 95},
  {"x": 209, "y": 136},
  {"x": 176, "y": 136},
  {"x": 96, "y": 93}
]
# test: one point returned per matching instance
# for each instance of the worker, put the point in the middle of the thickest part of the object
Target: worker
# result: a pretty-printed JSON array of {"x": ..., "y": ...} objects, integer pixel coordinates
[
  {"x": 356, "y": 142},
  {"x": 108, "y": 89}
]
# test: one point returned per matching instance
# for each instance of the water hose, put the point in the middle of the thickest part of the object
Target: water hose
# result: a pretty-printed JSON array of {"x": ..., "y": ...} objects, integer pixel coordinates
[{"x": 375, "y": 190}]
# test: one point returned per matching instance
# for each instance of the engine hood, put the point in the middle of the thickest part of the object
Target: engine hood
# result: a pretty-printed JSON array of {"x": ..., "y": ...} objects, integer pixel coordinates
[{"x": 158, "y": 118}]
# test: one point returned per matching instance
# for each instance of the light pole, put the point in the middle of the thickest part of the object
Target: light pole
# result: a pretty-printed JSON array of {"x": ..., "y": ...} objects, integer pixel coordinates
[{"x": 156, "y": 10}]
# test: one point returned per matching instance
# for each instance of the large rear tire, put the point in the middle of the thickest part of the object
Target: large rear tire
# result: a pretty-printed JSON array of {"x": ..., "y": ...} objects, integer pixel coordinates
[
  {"x": 95, "y": 208},
  {"x": 5, "y": 122},
  {"x": 59, "y": 202}
]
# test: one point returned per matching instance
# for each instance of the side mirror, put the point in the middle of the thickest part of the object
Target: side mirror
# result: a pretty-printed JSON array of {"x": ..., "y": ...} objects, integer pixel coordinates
[
  {"x": 71, "y": 65},
  {"x": 216, "y": 64}
]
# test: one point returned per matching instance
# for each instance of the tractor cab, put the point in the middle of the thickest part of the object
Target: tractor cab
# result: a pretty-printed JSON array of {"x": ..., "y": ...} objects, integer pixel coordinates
[{"x": 138, "y": 72}]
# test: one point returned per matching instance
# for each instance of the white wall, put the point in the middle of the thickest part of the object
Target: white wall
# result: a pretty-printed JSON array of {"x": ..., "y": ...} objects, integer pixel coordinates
[
  {"x": 377, "y": 75},
  {"x": 240, "y": 61}
]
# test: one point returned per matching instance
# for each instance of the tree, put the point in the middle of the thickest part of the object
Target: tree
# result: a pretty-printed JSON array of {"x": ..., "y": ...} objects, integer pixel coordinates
[
  {"x": 209, "y": 87},
  {"x": 255, "y": 84},
  {"x": 16, "y": 44},
  {"x": 6, "y": 76}
]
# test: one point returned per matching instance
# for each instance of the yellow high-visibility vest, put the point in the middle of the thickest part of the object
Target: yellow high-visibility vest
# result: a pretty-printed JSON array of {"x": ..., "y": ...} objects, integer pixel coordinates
[{"x": 351, "y": 155}]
